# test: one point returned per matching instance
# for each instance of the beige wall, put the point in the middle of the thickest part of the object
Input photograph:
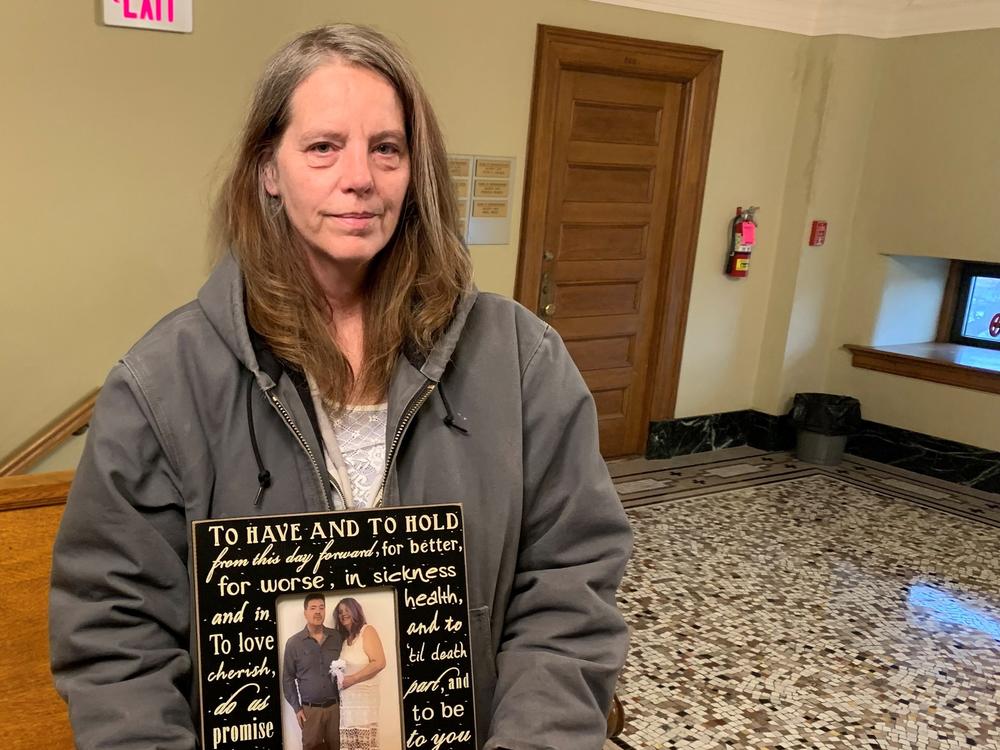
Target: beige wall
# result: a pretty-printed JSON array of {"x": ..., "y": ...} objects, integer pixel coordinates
[
  {"x": 118, "y": 138},
  {"x": 120, "y": 135},
  {"x": 932, "y": 182},
  {"x": 824, "y": 175},
  {"x": 930, "y": 188}
]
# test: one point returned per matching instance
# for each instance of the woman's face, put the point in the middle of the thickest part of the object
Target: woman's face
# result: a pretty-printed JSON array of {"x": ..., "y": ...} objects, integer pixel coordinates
[
  {"x": 344, "y": 616},
  {"x": 342, "y": 167}
]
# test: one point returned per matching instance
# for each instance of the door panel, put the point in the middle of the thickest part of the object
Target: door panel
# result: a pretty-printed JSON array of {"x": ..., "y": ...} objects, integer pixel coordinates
[
  {"x": 571, "y": 271},
  {"x": 596, "y": 241},
  {"x": 577, "y": 300},
  {"x": 610, "y": 402},
  {"x": 604, "y": 122},
  {"x": 572, "y": 329},
  {"x": 608, "y": 378},
  {"x": 580, "y": 152},
  {"x": 597, "y": 354},
  {"x": 607, "y": 183}
]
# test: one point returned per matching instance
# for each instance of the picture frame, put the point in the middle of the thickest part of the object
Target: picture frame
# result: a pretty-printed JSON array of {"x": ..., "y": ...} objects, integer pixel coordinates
[{"x": 392, "y": 576}]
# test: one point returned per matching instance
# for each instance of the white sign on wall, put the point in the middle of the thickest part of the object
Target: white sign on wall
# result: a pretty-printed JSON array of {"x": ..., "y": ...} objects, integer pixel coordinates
[
  {"x": 158, "y": 15},
  {"x": 484, "y": 189}
]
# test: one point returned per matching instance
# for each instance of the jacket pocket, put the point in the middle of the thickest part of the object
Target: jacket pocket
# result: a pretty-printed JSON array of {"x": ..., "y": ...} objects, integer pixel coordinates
[{"x": 484, "y": 669}]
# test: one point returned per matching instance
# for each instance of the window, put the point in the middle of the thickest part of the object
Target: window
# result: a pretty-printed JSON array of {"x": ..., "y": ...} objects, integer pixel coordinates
[{"x": 975, "y": 305}]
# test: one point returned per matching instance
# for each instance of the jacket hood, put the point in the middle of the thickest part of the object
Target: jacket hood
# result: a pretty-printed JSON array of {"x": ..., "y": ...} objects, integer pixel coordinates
[{"x": 221, "y": 299}]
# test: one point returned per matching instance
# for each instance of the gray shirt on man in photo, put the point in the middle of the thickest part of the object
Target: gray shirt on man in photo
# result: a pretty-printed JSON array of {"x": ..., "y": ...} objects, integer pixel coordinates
[{"x": 305, "y": 678}]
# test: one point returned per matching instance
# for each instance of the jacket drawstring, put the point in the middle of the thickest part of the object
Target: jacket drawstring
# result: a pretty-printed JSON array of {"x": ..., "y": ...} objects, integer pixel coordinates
[
  {"x": 454, "y": 420},
  {"x": 263, "y": 475}
]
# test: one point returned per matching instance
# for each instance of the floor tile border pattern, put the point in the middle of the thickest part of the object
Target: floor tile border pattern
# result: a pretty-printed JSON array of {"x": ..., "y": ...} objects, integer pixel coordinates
[{"x": 690, "y": 480}]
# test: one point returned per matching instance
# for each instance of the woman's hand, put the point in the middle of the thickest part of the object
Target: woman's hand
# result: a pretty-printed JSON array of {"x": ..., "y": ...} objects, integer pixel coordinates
[{"x": 348, "y": 681}]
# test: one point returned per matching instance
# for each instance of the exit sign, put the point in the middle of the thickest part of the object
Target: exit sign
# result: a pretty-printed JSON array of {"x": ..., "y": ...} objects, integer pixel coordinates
[{"x": 158, "y": 15}]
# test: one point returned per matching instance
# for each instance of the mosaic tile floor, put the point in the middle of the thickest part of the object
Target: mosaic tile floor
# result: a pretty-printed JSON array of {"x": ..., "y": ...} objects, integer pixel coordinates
[{"x": 777, "y": 605}]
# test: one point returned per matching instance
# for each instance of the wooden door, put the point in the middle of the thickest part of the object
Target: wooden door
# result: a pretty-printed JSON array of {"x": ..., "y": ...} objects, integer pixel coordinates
[{"x": 609, "y": 152}]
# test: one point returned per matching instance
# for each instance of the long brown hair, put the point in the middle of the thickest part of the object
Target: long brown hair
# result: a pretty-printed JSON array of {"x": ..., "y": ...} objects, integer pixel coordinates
[{"x": 412, "y": 285}]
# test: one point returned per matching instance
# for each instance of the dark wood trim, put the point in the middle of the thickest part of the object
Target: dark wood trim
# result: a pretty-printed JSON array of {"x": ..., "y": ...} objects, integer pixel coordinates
[
  {"x": 699, "y": 69},
  {"x": 934, "y": 362},
  {"x": 946, "y": 319},
  {"x": 71, "y": 422},
  {"x": 536, "y": 179},
  {"x": 682, "y": 241},
  {"x": 34, "y": 490}
]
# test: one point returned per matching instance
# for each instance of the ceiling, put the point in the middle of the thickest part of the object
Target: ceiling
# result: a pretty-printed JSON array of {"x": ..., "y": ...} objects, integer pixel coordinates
[{"x": 882, "y": 19}]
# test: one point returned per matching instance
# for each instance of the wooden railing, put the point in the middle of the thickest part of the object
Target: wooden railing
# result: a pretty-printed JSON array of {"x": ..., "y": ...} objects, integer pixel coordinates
[
  {"x": 30, "y": 509},
  {"x": 34, "y": 490},
  {"x": 73, "y": 421}
]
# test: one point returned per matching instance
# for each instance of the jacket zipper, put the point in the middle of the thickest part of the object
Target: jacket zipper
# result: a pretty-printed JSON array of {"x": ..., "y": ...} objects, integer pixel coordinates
[
  {"x": 411, "y": 409},
  {"x": 305, "y": 446}
]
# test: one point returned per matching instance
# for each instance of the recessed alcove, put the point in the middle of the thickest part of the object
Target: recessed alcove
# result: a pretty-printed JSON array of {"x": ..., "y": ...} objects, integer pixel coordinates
[{"x": 908, "y": 337}]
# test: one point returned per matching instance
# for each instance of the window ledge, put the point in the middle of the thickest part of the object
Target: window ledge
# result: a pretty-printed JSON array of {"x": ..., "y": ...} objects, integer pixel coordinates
[{"x": 952, "y": 364}]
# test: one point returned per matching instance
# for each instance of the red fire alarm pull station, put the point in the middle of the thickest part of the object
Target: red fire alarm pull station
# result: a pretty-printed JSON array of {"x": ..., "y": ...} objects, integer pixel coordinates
[
  {"x": 742, "y": 238},
  {"x": 817, "y": 236}
]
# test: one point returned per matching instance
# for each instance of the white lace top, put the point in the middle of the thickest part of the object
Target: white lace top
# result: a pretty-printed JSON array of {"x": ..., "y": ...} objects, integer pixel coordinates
[
  {"x": 354, "y": 449},
  {"x": 360, "y": 433}
]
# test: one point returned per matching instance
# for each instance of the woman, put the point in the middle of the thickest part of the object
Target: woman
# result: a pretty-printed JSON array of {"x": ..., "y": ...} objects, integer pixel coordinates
[
  {"x": 362, "y": 650},
  {"x": 345, "y": 285}
]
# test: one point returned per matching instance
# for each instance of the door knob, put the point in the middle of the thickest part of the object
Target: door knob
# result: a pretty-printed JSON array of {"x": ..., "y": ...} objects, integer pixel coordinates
[{"x": 545, "y": 303}]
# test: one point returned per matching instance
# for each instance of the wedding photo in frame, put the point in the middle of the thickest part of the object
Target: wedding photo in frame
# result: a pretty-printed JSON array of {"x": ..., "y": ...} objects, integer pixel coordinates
[
  {"x": 370, "y": 710},
  {"x": 349, "y": 625}
]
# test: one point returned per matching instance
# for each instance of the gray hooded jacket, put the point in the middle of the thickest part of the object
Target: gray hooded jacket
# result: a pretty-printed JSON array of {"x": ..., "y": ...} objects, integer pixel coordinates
[{"x": 547, "y": 539}]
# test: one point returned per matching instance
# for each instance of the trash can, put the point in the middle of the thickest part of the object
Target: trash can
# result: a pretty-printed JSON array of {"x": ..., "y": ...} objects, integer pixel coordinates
[{"x": 823, "y": 422}]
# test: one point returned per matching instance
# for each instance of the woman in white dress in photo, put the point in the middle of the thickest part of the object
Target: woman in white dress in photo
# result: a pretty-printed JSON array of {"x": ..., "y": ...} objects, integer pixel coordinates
[{"x": 359, "y": 697}]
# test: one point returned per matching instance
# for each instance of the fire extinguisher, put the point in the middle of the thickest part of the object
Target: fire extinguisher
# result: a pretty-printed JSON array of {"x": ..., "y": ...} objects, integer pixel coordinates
[{"x": 741, "y": 241}]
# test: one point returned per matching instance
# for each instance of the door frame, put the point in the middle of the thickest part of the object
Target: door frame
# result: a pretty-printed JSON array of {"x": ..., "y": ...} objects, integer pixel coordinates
[{"x": 698, "y": 69}]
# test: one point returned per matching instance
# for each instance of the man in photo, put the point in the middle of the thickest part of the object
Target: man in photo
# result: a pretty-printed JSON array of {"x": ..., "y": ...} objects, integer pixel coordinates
[{"x": 306, "y": 681}]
